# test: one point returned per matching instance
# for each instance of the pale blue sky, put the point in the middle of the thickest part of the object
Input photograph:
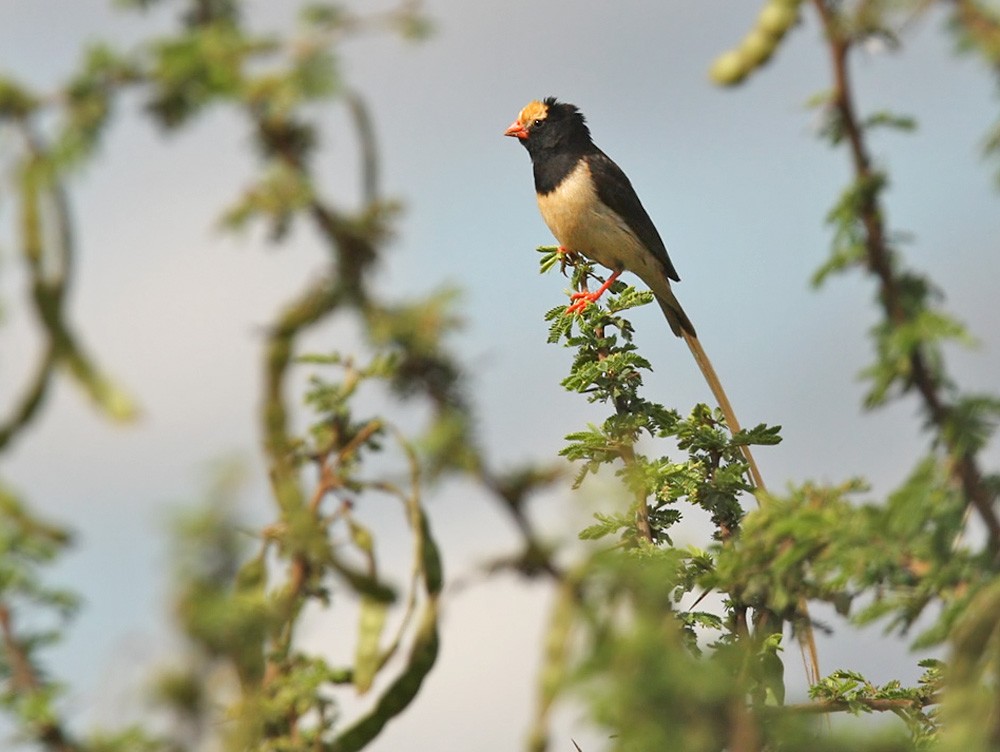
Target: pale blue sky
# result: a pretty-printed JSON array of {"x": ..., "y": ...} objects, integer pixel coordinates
[{"x": 735, "y": 180}]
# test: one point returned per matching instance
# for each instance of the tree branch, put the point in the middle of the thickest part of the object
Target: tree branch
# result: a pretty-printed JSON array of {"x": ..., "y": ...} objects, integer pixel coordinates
[
  {"x": 842, "y": 706},
  {"x": 965, "y": 469},
  {"x": 25, "y": 681}
]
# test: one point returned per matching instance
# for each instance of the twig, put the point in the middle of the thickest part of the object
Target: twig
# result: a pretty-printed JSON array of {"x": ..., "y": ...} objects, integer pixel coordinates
[
  {"x": 25, "y": 681},
  {"x": 842, "y": 706},
  {"x": 627, "y": 453}
]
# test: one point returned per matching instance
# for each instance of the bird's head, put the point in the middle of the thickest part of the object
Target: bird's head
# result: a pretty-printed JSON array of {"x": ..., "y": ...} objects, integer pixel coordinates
[{"x": 549, "y": 124}]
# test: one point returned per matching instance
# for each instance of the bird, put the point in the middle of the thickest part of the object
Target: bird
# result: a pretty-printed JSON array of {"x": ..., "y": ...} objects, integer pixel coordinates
[{"x": 592, "y": 209}]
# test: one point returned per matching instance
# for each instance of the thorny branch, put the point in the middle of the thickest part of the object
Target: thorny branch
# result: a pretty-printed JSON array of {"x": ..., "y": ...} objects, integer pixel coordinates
[
  {"x": 964, "y": 469},
  {"x": 872, "y": 703}
]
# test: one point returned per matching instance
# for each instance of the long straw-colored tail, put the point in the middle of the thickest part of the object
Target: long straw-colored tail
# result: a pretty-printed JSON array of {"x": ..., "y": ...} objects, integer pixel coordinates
[
  {"x": 712, "y": 378},
  {"x": 681, "y": 325},
  {"x": 806, "y": 636}
]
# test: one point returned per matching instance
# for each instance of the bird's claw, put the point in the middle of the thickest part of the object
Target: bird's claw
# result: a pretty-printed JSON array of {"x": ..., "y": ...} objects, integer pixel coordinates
[
  {"x": 583, "y": 297},
  {"x": 581, "y": 300}
]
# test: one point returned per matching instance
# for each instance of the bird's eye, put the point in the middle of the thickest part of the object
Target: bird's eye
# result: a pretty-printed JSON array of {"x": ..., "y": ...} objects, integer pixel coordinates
[{"x": 538, "y": 123}]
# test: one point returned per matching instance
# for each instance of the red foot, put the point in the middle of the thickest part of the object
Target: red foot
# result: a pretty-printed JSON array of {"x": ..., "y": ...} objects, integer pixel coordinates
[{"x": 583, "y": 298}]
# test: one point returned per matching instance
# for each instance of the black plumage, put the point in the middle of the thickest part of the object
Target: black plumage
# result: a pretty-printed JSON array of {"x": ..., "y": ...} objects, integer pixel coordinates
[{"x": 615, "y": 190}]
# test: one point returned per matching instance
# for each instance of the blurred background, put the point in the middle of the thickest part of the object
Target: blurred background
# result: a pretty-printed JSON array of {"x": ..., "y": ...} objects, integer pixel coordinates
[{"x": 736, "y": 180}]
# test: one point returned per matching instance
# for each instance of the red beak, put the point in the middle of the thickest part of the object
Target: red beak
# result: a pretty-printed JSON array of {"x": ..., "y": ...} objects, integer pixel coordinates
[{"x": 516, "y": 129}]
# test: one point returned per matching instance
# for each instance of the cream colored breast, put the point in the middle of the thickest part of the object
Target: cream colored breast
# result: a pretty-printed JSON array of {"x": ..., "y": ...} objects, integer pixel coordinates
[{"x": 580, "y": 222}]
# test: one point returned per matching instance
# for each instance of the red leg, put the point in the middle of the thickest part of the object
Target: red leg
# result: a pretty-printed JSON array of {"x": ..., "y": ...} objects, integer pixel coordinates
[{"x": 583, "y": 297}]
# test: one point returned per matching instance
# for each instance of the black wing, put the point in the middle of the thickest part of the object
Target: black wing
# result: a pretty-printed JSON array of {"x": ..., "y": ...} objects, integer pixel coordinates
[{"x": 615, "y": 190}]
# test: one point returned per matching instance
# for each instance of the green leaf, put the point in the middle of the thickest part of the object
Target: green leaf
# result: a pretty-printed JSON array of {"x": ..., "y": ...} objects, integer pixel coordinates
[
  {"x": 606, "y": 525},
  {"x": 15, "y": 100},
  {"x": 550, "y": 257},
  {"x": 843, "y": 257},
  {"x": 760, "y": 435},
  {"x": 971, "y": 423},
  {"x": 885, "y": 119}
]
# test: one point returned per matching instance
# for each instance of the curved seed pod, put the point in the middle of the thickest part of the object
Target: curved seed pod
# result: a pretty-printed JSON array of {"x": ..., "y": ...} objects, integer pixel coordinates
[{"x": 757, "y": 47}]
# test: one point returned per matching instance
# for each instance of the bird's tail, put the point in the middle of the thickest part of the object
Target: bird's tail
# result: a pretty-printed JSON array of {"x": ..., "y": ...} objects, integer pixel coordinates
[
  {"x": 678, "y": 320},
  {"x": 681, "y": 325},
  {"x": 701, "y": 358}
]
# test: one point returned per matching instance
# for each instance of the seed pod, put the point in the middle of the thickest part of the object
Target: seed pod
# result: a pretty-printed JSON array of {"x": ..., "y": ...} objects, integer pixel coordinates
[
  {"x": 777, "y": 17},
  {"x": 757, "y": 47},
  {"x": 729, "y": 68}
]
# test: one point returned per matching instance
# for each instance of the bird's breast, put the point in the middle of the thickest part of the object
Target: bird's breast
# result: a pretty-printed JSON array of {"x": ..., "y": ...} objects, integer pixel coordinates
[{"x": 581, "y": 222}]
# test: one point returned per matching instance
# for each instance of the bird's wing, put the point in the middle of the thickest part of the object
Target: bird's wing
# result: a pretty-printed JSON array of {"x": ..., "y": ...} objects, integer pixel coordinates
[{"x": 615, "y": 190}]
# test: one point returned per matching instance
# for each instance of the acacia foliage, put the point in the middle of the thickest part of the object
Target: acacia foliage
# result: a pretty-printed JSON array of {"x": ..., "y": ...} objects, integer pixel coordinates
[{"x": 659, "y": 665}]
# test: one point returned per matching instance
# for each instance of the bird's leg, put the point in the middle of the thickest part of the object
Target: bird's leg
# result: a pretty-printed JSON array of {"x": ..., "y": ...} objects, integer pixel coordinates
[{"x": 583, "y": 297}]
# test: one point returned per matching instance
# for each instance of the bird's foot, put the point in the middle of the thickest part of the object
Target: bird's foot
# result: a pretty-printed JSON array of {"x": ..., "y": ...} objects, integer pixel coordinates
[
  {"x": 581, "y": 300},
  {"x": 583, "y": 297}
]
